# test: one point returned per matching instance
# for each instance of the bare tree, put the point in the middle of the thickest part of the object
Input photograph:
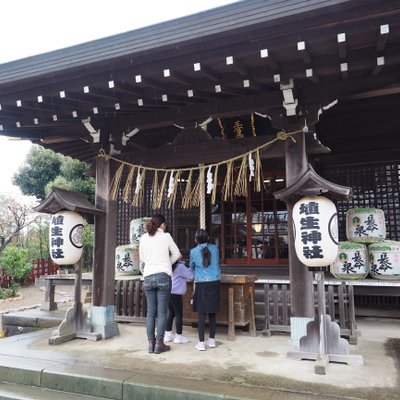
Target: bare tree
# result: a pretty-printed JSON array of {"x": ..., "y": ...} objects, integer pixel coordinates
[{"x": 15, "y": 216}]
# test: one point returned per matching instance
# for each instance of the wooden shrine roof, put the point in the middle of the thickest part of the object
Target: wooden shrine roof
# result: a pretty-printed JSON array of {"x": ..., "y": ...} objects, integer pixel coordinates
[{"x": 135, "y": 91}]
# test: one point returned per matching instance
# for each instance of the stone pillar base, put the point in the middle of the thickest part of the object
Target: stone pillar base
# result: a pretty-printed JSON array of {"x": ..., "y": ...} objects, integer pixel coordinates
[
  {"x": 102, "y": 321},
  {"x": 298, "y": 329}
]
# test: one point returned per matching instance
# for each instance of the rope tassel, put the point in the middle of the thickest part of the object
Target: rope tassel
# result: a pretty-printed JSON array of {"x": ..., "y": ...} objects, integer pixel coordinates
[
  {"x": 241, "y": 182},
  {"x": 188, "y": 191},
  {"x": 128, "y": 184},
  {"x": 114, "y": 187},
  {"x": 227, "y": 186}
]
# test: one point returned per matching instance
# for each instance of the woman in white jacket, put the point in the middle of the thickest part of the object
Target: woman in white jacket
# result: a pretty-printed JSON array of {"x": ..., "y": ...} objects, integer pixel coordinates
[{"x": 158, "y": 252}]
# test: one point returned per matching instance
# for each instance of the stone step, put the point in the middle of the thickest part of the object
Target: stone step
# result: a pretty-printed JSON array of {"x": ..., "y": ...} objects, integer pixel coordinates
[{"x": 14, "y": 391}]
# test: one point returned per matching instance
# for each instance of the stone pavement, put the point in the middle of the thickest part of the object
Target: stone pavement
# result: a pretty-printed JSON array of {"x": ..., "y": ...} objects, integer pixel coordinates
[{"x": 247, "y": 368}]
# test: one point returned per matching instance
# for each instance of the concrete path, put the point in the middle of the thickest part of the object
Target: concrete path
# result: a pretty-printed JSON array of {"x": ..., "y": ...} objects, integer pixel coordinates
[{"x": 247, "y": 368}]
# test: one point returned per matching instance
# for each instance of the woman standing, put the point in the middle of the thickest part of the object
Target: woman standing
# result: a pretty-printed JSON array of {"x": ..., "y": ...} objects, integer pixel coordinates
[
  {"x": 158, "y": 251},
  {"x": 204, "y": 260}
]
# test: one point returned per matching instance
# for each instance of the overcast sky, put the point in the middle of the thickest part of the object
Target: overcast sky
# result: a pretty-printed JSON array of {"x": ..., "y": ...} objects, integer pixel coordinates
[{"x": 30, "y": 27}]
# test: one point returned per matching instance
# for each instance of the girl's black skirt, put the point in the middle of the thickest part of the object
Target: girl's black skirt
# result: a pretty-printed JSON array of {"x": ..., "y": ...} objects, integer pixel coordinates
[{"x": 206, "y": 297}]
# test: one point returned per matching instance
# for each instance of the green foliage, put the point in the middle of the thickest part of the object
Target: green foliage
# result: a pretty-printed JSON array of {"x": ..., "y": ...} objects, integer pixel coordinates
[
  {"x": 45, "y": 170},
  {"x": 14, "y": 260},
  {"x": 5, "y": 293},
  {"x": 41, "y": 166}
]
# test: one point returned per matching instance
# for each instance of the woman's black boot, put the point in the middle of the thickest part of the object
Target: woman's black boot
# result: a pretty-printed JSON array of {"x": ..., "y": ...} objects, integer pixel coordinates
[
  {"x": 161, "y": 347},
  {"x": 152, "y": 344}
]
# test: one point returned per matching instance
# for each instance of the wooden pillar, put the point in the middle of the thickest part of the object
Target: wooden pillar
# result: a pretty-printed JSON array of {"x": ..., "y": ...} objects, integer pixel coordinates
[
  {"x": 103, "y": 308},
  {"x": 301, "y": 286}
]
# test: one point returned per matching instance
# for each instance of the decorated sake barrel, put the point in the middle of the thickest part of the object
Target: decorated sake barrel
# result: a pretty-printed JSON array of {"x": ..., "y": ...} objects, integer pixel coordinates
[
  {"x": 384, "y": 260},
  {"x": 127, "y": 260},
  {"x": 351, "y": 261},
  {"x": 137, "y": 229},
  {"x": 365, "y": 225}
]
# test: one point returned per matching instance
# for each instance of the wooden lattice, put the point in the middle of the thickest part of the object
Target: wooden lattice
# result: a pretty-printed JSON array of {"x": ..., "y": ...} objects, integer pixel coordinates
[{"x": 375, "y": 185}]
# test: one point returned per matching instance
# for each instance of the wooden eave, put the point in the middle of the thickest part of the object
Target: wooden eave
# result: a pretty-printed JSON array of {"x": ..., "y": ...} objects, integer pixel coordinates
[
  {"x": 62, "y": 199},
  {"x": 311, "y": 184},
  {"x": 146, "y": 80}
]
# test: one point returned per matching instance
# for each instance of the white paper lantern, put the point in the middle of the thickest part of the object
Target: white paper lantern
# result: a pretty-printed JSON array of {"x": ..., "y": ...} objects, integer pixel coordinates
[
  {"x": 66, "y": 237},
  {"x": 315, "y": 228}
]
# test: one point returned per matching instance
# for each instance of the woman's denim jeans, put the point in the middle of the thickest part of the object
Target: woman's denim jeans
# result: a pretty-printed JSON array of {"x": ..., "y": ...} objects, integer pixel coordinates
[{"x": 157, "y": 288}]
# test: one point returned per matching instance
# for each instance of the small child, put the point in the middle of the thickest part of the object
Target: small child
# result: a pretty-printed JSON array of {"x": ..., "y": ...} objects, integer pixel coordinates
[{"x": 180, "y": 275}]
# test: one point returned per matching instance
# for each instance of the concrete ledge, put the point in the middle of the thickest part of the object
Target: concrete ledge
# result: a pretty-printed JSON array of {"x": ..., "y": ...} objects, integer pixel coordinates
[
  {"x": 18, "y": 322},
  {"x": 24, "y": 371},
  {"x": 13, "y": 391},
  {"x": 88, "y": 380}
]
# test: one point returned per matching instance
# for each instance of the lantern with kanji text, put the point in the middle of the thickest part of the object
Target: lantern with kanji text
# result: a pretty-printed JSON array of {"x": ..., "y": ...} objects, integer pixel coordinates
[
  {"x": 315, "y": 228},
  {"x": 66, "y": 237}
]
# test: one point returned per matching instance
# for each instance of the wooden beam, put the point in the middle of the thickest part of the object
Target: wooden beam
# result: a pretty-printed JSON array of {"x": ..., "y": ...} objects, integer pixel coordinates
[
  {"x": 304, "y": 54},
  {"x": 341, "y": 40},
  {"x": 380, "y": 62},
  {"x": 344, "y": 70},
  {"x": 382, "y": 38}
]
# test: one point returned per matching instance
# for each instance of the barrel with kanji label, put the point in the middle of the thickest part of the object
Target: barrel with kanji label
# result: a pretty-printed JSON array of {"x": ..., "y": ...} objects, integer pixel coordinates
[
  {"x": 365, "y": 225},
  {"x": 384, "y": 260},
  {"x": 127, "y": 260},
  {"x": 351, "y": 261},
  {"x": 137, "y": 229}
]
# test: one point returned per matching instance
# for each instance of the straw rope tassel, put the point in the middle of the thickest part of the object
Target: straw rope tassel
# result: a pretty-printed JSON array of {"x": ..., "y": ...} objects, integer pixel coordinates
[
  {"x": 188, "y": 191},
  {"x": 258, "y": 181},
  {"x": 196, "y": 192},
  {"x": 114, "y": 187},
  {"x": 128, "y": 184},
  {"x": 214, "y": 191},
  {"x": 241, "y": 182},
  {"x": 227, "y": 186},
  {"x": 161, "y": 190},
  {"x": 172, "y": 198}
]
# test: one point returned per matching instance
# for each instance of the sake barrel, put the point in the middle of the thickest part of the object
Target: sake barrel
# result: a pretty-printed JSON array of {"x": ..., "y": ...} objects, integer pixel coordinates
[
  {"x": 351, "y": 261},
  {"x": 365, "y": 225},
  {"x": 127, "y": 260},
  {"x": 137, "y": 229},
  {"x": 384, "y": 260}
]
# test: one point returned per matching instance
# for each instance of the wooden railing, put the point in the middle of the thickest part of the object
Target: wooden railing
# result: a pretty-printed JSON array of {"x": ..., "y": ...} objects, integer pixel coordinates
[
  {"x": 5, "y": 279},
  {"x": 43, "y": 267},
  {"x": 339, "y": 306}
]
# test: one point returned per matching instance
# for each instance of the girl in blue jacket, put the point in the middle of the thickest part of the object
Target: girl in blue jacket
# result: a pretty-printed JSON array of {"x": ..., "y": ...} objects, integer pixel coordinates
[{"x": 204, "y": 261}]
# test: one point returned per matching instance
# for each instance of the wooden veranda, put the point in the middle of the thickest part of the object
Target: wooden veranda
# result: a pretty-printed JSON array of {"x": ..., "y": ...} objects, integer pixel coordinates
[{"x": 204, "y": 89}]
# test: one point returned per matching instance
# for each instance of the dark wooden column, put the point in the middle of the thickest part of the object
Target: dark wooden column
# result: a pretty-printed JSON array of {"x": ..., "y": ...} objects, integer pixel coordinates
[
  {"x": 301, "y": 286},
  {"x": 103, "y": 309}
]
